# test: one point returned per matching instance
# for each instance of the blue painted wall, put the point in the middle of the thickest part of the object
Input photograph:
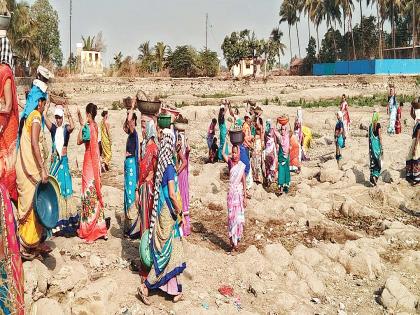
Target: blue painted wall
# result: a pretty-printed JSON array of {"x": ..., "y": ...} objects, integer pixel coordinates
[{"x": 384, "y": 66}]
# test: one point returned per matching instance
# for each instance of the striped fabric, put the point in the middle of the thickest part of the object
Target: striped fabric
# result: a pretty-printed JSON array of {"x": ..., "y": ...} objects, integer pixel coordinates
[{"x": 6, "y": 54}]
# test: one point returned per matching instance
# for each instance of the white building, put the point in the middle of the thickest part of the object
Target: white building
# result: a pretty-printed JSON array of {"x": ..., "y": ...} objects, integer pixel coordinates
[
  {"x": 90, "y": 61},
  {"x": 246, "y": 67}
]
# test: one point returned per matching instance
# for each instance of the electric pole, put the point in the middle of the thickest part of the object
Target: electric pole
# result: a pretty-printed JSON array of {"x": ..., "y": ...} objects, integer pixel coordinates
[
  {"x": 207, "y": 21},
  {"x": 70, "y": 58}
]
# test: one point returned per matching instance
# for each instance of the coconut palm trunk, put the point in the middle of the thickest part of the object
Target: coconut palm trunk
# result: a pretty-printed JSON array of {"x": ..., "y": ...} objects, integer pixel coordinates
[
  {"x": 379, "y": 30},
  {"x": 317, "y": 38},
  {"x": 309, "y": 28},
  {"x": 290, "y": 42},
  {"x": 352, "y": 38},
  {"x": 393, "y": 29},
  {"x": 361, "y": 28},
  {"x": 297, "y": 32}
]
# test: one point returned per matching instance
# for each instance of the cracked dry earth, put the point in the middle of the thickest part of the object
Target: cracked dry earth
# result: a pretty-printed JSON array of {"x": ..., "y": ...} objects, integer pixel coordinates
[{"x": 333, "y": 245}]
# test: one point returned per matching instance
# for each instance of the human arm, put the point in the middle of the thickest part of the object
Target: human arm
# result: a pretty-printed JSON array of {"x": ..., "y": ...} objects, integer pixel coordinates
[
  {"x": 183, "y": 159},
  {"x": 79, "y": 136},
  {"x": 48, "y": 122},
  {"x": 35, "y": 132},
  {"x": 6, "y": 107},
  {"x": 70, "y": 126},
  {"x": 173, "y": 197},
  {"x": 244, "y": 189}
]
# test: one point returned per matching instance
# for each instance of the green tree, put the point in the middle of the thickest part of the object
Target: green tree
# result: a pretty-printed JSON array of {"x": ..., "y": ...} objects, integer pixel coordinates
[
  {"x": 288, "y": 14},
  {"x": 310, "y": 58},
  {"x": 208, "y": 62},
  {"x": 88, "y": 43},
  {"x": 276, "y": 41},
  {"x": 366, "y": 38},
  {"x": 183, "y": 62},
  {"x": 328, "y": 53},
  {"x": 237, "y": 46},
  {"x": 145, "y": 57},
  {"x": 47, "y": 37},
  {"x": 118, "y": 60},
  {"x": 160, "y": 55}
]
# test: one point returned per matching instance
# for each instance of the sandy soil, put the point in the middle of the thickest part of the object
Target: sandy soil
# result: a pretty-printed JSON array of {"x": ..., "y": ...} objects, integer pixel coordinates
[{"x": 328, "y": 247}]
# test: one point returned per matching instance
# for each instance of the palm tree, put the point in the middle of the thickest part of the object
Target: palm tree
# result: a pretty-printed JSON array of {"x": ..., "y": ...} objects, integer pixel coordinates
[
  {"x": 275, "y": 39},
  {"x": 118, "y": 60},
  {"x": 298, "y": 5},
  {"x": 307, "y": 8},
  {"x": 88, "y": 43},
  {"x": 381, "y": 9},
  {"x": 160, "y": 55},
  {"x": 348, "y": 6},
  {"x": 144, "y": 50},
  {"x": 288, "y": 14},
  {"x": 332, "y": 13},
  {"x": 395, "y": 7},
  {"x": 316, "y": 15}
]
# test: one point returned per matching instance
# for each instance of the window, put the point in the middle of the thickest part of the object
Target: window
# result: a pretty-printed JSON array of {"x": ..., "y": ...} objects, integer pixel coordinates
[
  {"x": 248, "y": 65},
  {"x": 96, "y": 57},
  {"x": 90, "y": 57}
]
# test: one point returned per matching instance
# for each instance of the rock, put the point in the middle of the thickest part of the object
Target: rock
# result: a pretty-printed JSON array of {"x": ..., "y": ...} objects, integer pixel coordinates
[
  {"x": 397, "y": 297},
  {"x": 410, "y": 261},
  {"x": 307, "y": 273},
  {"x": 360, "y": 261},
  {"x": 306, "y": 255},
  {"x": 331, "y": 175},
  {"x": 46, "y": 306},
  {"x": 95, "y": 298},
  {"x": 54, "y": 261},
  {"x": 71, "y": 275},
  {"x": 350, "y": 176},
  {"x": 277, "y": 255},
  {"x": 350, "y": 208},
  {"x": 95, "y": 261},
  {"x": 364, "y": 126}
]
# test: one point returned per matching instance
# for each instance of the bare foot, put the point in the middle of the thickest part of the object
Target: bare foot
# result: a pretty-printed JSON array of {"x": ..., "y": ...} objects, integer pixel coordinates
[
  {"x": 142, "y": 293},
  {"x": 179, "y": 297}
]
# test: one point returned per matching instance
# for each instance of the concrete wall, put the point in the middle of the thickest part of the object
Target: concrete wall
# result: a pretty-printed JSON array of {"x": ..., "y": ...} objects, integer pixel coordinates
[
  {"x": 383, "y": 66},
  {"x": 245, "y": 68},
  {"x": 91, "y": 62}
]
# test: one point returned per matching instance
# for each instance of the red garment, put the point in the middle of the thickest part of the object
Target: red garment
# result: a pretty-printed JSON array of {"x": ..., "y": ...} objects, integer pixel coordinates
[
  {"x": 146, "y": 191},
  {"x": 8, "y": 136},
  {"x": 294, "y": 151},
  {"x": 398, "y": 121}
]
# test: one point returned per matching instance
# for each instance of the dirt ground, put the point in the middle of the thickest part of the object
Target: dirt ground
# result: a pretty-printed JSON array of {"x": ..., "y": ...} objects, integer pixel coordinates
[{"x": 328, "y": 247}]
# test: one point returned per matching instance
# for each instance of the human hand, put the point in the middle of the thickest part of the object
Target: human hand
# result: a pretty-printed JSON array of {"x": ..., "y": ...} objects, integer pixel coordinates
[
  {"x": 245, "y": 201},
  {"x": 44, "y": 176},
  {"x": 137, "y": 197}
]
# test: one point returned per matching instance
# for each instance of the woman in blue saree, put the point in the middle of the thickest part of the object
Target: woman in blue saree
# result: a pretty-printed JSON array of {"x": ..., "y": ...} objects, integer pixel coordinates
[
  {"x": 165, "y": 242},
  {"x": 131, "y": 176},
  {"x": 60, "y": 135}
]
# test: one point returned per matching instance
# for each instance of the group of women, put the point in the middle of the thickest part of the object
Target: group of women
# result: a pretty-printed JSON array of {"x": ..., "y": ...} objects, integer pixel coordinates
[
  {"x": 156, "y": 200},
  {"x": 268, "y": 152}
]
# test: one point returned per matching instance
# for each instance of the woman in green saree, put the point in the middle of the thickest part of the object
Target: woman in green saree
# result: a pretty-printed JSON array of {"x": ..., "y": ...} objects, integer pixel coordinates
[{"x": 375, "y": 148}]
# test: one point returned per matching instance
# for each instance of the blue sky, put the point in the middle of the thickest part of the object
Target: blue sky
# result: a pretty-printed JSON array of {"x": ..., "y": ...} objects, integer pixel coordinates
[{"x": 127, "y": 23}]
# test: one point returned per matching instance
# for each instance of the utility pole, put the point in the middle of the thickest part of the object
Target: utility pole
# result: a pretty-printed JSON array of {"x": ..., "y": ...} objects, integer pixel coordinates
[
  {"x": 70, "y": 58},
  {"x": 207, "y": 22}
]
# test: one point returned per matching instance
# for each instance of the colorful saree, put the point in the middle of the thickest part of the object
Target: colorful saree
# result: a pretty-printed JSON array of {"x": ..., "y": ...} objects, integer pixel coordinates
[
  {"x": 283, "y": 179},
  {"x": 270, "y": 155},
  {"x": 105, "y": 145},
  {"x": 31, "y": 231},
  {"x": 413, "y": 158},
  {"x": 294, "y": 153},
  {"x": 68, "y": 221},
  {"x": 184, "y": 189},
  {"x": 256, "y": 161},
  {"x": 165, "y": 236},
  {"x": 131, "y": 177},
  {"x": 92, "y": 221},
  {"x": 235, "y": 203},
  {"x": 375, "y": 153},
  {"x": 11, "y": 270},
  {"x": 10, "y": 123},
  {"x": 223, "y": 134},
  {"x": 392, "y": 109}
]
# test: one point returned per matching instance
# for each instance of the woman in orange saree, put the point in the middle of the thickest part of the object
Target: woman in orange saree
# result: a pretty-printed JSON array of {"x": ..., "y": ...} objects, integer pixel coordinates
[
  {"x": 9, "y": 120},
  {"x": 92, "y": 218}
]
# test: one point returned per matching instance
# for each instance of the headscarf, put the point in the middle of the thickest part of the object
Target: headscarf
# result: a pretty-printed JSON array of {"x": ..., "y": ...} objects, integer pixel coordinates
[
  {"x": 285, "y": 140},
  {"x": 267, "y": 126},
  {"x": 375, "y": 117},
  {"x": 299, "y": 115},
  {"x": 165, "y": 158},
  {"x": 150, "y": 133},
  {"x": 6, "y": 54}
]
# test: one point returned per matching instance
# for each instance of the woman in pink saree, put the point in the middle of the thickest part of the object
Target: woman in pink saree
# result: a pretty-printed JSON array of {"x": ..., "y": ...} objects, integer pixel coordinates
[
  {"x": 92, "y": 219},
  {"x": 11, "y": 271},
  {"x": 183, "y": 151},
  {"x": 236, "y": 199}
]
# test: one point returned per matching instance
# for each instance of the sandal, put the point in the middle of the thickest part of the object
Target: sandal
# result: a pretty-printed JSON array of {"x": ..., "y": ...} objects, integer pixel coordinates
[
  {"x": 178, "y": 298},
  {"x": 143, "y": 297}
]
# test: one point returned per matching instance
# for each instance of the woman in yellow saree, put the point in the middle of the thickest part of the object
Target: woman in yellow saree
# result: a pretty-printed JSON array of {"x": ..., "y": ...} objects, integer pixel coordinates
[
  {"x": 30, "y": 169},
  {"x": 105, "y": 141}
]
